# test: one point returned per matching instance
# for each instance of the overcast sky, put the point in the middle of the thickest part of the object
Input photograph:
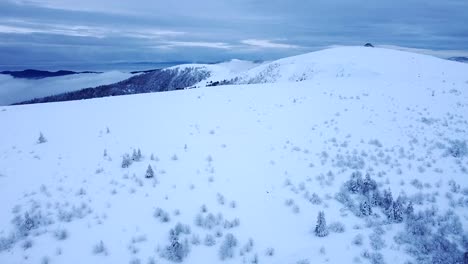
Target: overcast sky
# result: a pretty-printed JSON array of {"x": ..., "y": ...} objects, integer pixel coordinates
[{"x": 68, "y": 31}]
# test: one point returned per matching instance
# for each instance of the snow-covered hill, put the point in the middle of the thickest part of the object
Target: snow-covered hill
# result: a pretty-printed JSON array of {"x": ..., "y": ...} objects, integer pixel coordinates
[
  {"x": 245, "y": 169},
  {"x": 357, "y": 62},
  {"x": 161, "y": 80}
]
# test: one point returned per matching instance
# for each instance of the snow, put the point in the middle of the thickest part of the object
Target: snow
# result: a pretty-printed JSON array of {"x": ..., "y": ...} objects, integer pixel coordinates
[{"x": 244, "y": 142}]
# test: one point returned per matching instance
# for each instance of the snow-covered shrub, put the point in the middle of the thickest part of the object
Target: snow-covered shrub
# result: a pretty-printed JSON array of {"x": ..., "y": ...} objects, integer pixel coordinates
[
  {"x": 457, "y": 148},
  {"x": 162, "y": 215},
  {"x": 354, "y": 162},
  {"x": 209, "y": 221},
  {"x": 375, "y": 142},
  {"x": 176, "y": 251},
  {"x": 358, "y": 240},
  {"x": 136, "y": 155},
  {"x": 376, "y": 242},
  {"x": 314, "y": 198},
  {"x": 7, "y": 242},
  {"x": 454, "y": 187},
  {"x": 336, "y": 227},
  {"x": 179, "y": 229},
  {"x": 233, "y": 204},
  {"x": 126, "y": 161},
  {"x": 41, "y": 139},
  {"x": 365, "y": 208},
  {"x": 149, "y": 172},
  {"x": 269, "y": 252},
  {"x": 209, "y": 240},
  {"x": 218, "y": 233},
  {"x": 61, "y": 234},
  {"x": 227, "y": 247},
  {"x": 30, "y": 221},
  {"x": 75, "y": 212},
  {"x": 195, "y": 240},
  {"x": 248, "y": 246},
  {"x": 100, "y": 248},
  {"x": 135, "y": 261},
  {"x": 321, "y": 229},
  {"x": 417, "y": 184},
  {"x": 296, "y": 209},
  {"x": 289, "y": 202},
  {"x": 28, "y": 243},
  {"x": 231, "y": 224},
  {"x": 220, "y": 198}
]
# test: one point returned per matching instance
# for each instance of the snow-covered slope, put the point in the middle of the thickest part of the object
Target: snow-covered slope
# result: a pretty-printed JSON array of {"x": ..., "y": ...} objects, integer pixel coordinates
[
  {"x": 257, "y": 161},
  {"x": 357, "y": 62},
  {"x": 172, "y": 78}
]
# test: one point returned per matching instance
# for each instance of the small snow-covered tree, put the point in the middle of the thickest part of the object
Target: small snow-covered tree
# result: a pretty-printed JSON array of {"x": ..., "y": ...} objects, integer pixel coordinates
[
  {"x": 397, "y": 210},
  {"x": 365, "y": 209},
  {"x": 176, "y": 251},
  {"x": 409, "y": 212},
  {"x": 376, "y": 198},
  {"x": 321, "y": 229},
  {"x": 368, "y": 185},
  {"x": 149, "y": 172},
  {"x": 136, "y": 155},
  {"x": 126, "y": 161},
  {"x": 226, "y": 249},
  {"x": 41, "y": 139},
  {"x": 387, "y": 200}
]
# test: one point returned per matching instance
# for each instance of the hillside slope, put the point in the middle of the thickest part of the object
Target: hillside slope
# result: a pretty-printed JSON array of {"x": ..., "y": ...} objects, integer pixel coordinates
[
  {"x": 161, "y": 80},
  {"x": 257, "y": 161}
]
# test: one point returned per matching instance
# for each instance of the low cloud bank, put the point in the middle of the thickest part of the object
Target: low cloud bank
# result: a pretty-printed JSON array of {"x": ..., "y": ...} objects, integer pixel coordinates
[{"x": 17, "y": 90}]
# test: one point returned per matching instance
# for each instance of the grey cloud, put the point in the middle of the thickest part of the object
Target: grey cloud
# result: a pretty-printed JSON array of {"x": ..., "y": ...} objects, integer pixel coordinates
[{"x": 216, "y": 30}]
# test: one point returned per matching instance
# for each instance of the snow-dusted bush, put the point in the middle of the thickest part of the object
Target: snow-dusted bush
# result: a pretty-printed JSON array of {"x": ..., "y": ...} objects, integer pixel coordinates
[
  {"x": 296, "y": 209},
  {"x": 61, "y": 234},
  {"x": 179, "y": 229},
  {"x": 314, "y": 198},
  {"x": 149, "y": 172},
  {"x": 336, "y": 227},
  {"x": 209, "y": 240},
  {"x": 209, "y": 221},
  {"x": 126, "y": 161},
  {"x": 457, "y": 148},
  {"x": 28, "y": 243},
  {"x": 30, "y": 221},
  {"x": 41, "y": 139},
  {"x": 220, "y": 198},
  {"x": 376, "y": 242},
  {"x": 100, "y": 248},
  {"x": 231, "y": 224},
  {"x": 195, "y": 240},
  {"x": 428, "y": 247},
  {"x": 75, "y": 212},
  {"x": 247, "y": 247},
  {"x": 162, "y": 215},
  {"x": 7, "y": 242},
  {"x": 136, "y": 155},
  {"x": 269, "y": 252},
  {"x": 358, "y": 240},
  {"x": 227, "y": 247},
  {"x": 176, "y": 251},
  {"x": 365, "y": 208},
  {"x": 321, "y": 229}
]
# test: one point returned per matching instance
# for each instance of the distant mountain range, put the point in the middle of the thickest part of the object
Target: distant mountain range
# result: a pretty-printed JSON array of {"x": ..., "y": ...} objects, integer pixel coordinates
[
  {"x": 38, "y": 74},
  {"x": 459, "y": 59}
]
